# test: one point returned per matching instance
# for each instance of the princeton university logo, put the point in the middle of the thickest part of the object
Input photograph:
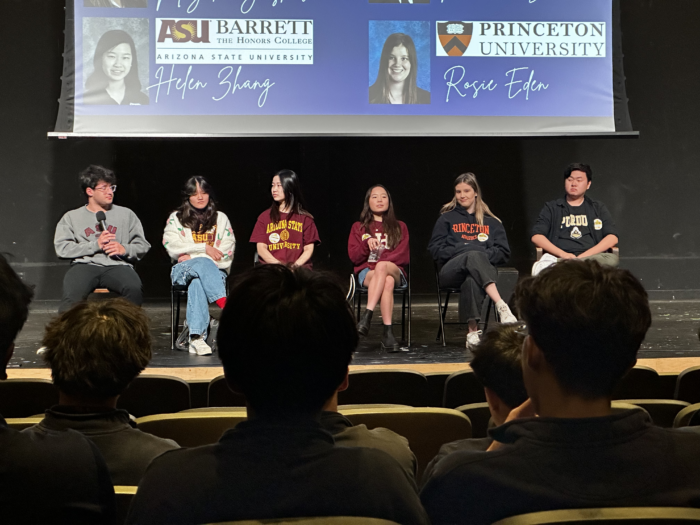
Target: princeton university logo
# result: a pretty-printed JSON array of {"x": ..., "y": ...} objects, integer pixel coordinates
[
  {"x": 181, "y": 31},
  {"x": 455, "y": 37}
]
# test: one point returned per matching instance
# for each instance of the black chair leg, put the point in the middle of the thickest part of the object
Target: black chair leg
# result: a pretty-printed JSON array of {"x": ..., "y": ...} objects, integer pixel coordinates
[
  {"x": 403, "y": 318},
  {"x": 173, "y": 325}
]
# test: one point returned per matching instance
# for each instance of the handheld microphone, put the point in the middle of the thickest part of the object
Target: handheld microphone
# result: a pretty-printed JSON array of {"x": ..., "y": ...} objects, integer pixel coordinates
[{"x": 102, "y": 219}]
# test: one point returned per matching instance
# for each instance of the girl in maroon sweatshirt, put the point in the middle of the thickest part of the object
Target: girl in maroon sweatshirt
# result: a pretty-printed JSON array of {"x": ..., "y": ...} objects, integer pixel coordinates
[{"x": 378, "y": 247}]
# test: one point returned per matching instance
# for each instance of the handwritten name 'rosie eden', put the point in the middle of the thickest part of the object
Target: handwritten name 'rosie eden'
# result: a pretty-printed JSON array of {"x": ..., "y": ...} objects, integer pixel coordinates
[
  {"x": 186, "y": 84},
  {"x": 246, "y": 5}
]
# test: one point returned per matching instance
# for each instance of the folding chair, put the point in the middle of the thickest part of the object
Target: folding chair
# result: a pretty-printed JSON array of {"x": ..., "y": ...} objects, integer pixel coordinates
[
  {"x": 123, "y": 496},
  {"x": 506, "y": 281},
  {"x": 641, "y": 382},
  {"x": 480, "y": 416},
  {"x": 405, "y": 293},
  {"x": 686, "y": 416},
  {"x": 220, "y": 395}
]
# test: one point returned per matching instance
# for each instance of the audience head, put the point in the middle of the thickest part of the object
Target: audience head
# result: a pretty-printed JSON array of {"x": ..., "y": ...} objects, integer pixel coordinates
[
  {"x": 97, "y": 348},
  {"x": 586, "y": 323},
  {"x": 497, "y": 366},
  {"x": 15, "y": 297},
  {"x": 286, "y": 339}
]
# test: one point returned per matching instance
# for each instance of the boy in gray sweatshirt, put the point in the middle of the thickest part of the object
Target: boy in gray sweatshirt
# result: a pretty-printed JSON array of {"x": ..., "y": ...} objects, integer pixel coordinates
[{"x": 102, "y": 253}]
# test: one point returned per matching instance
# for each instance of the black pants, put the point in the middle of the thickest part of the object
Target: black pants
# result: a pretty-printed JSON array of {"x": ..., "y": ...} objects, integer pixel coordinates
[
  {"x": 471, "y": 272},
  {"x": 82, "y": 279}
]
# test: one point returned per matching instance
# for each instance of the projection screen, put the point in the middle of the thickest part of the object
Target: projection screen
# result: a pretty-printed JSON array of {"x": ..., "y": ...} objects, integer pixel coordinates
[{"x": 342, "y": 68}]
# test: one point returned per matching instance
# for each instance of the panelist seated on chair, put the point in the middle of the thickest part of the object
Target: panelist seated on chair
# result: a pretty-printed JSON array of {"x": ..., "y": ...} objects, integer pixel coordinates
[
  {"x": 286, "y": 233},
  {"x": 95, "y": 350},
  {"x": 467, "y": 243},
  {"x": 54, "y": 478},
  {"x": 585, "y": 325},
  {"x": 103, "y": 252},
  {"x": 576, "y": 226},
  {"x": 286, "y": 341},
  {"x": 378, "y": 247},
  {"x": 200, "y": 240}
]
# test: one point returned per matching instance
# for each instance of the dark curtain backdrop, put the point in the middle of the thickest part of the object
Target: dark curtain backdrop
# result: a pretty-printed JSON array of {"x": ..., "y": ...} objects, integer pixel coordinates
[{"x": 650, "y": 184}]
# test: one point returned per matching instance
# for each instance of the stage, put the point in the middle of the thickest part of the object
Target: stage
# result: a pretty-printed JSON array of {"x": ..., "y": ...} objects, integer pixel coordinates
[{"x": 671, "y": 344}]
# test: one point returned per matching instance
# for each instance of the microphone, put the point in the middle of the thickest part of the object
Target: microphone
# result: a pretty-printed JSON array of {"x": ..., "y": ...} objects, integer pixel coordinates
[{"x": 102, "y": 219}]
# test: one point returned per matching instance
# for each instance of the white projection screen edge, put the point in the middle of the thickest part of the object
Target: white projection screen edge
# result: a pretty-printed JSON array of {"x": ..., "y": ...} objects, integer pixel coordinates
[{"x": 455, "y": 84}]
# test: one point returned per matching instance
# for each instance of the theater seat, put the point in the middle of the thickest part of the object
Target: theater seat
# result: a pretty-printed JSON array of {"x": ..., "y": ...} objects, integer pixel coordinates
[
  {"x": 26, "y": 397},
  {"x": 220, "y": 395},
  {"x": 641, "y": 382},
  {"x": 426, "y": 429},
  {"x": 662, "y": 411},
  {"x": 123, "y": 495},
  {"x": 684, "y": 417},
  {"x": 155, "y": 394},
  {"x": 646, "y": 515},
  {"x": 688, "y": 385},
  {"x": 462, "y": 388},
  {"x": 480, "y": 416},
  {"x": 330, "y": 520},
  {"x": 396, "y": 387},
  {"x": 191, "y": 429},
  {"x": 20, "y": 423}
]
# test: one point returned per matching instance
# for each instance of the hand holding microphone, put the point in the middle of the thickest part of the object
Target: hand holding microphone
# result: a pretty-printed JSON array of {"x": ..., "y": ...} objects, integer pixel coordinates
[{"x": 106, "y": 241}]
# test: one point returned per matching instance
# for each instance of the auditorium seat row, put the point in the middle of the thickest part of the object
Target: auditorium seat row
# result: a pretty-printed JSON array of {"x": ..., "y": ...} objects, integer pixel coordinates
[{"x": 150, "y": 394}]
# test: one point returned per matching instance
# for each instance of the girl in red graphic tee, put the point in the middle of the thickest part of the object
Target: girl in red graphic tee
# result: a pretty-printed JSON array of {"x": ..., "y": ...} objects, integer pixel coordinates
[
  {"x": 378, "y": 247},
  {"x": 286, "y": 233}
]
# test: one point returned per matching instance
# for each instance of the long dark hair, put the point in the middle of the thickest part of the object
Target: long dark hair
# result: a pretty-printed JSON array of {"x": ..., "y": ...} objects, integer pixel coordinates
[
  {"x": 98, "y": 81},
  {"x": 410, "y": 88},
  {"x": 391, "y": 225},
  {"x": 293, "y": 196},
  {"x": 198, "y": 221}
]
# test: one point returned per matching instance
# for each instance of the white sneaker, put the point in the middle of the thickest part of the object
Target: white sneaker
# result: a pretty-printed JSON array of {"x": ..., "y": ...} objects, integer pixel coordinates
[
  {"x": 546, "y": 261},
  {"x": 504, "y": 313},
  {"x": 473, "y": 338},
  {"x": 200, "y": 347}
]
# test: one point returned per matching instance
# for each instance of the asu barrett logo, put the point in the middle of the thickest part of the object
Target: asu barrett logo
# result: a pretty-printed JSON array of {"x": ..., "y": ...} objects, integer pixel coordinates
[
  {"x": 482, "y": 237},
  {"x": 455, "y": 37},
  {"x": 181, "y": 31},
  {"x": 598, "y": 224}
]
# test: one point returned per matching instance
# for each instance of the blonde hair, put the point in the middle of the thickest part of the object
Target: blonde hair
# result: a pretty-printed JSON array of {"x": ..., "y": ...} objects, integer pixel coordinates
[{"x": 481, "y": 208}]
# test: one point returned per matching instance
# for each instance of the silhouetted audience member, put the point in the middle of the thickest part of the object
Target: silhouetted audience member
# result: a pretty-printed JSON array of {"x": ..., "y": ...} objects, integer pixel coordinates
[
  {"x": 346, "y": 434},
  {"x": 586, "y": 323},
  {"x": 53, "y": 478},
  {"x": 286, "y": 339},
  {"x": 94, "y": 351},
  {"x": 496, "y": 364}
]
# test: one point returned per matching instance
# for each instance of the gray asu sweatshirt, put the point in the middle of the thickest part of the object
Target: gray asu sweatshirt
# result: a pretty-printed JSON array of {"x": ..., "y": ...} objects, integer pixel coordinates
[{"x": 78, "y": 230}]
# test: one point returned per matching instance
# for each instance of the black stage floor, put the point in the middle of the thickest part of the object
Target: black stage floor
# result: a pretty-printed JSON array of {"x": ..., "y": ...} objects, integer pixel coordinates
[{"x": 673, "y": 334}]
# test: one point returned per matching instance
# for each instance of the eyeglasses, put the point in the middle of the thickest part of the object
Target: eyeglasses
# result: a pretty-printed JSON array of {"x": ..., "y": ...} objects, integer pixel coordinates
[{"x": 105, "y": 188}]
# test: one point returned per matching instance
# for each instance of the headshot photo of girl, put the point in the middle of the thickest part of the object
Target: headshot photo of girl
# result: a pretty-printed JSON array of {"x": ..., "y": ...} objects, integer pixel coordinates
[
  {"x": 398, "y": 73},
  {"x": 115, "y": 3},
  {"x": 115, "y": 79}
]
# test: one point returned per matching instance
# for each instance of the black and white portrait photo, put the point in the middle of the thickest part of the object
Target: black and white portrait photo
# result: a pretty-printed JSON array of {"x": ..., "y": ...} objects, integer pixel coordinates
[{"x": 115, "y": 58}]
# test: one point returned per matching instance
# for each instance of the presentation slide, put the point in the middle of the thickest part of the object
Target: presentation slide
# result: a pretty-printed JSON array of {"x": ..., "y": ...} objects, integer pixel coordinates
[{"x": 342, "y": 67}]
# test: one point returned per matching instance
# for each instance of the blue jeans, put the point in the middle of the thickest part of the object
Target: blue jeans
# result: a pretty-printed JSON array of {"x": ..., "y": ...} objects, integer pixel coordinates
[{"x": 205, "y": 284}]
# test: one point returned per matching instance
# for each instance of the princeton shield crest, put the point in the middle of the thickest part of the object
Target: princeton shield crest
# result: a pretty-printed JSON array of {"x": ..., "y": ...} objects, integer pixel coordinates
[{"x": 455, "y": 37}]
